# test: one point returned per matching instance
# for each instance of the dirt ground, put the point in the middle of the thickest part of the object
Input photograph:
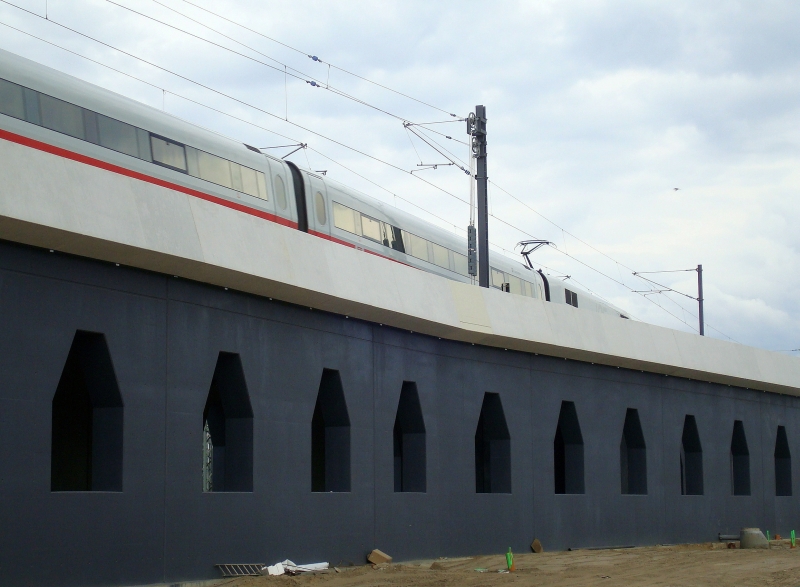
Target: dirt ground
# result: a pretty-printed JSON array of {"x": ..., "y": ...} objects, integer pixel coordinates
[{"x": 684, "y": 565}]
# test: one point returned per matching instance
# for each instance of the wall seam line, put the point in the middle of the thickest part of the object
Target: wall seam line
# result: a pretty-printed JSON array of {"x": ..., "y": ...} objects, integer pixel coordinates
[{"x": 166, "y": 421}]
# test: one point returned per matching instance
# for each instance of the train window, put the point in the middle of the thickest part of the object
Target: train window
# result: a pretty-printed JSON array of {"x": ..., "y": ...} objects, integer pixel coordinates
[
  {"x": 280, "y": 192},
  {"x": 168, "y": 153},
  {"x": 515, "y": 285},
  {"x": 191, "y": 161},
  {"x": 61, "y": 116},
  {"x": 31, "y": 98},
  {"x": 440, "y": 256},
  {"x": 90, "y": 128},
  {"x": 498, "y": 279},
  {"x": 387, "y": 235},
  {"x": 416, "y": 246},
  {"x": 371, "y": 228},
  {"x": 11, "y": 102},
  {"x": 236, "y": 176},
  {"x": 143, "y": 138},
  {"x": 461, "y": 264},
  {"x": 214, "y": 169},
  {"x": 319, "y": 205},
  {"x": 344, "y": 218},
  {"x": 261, "y": 186},
  {"x": 117, "y": 135},
  {"x": 249, "y": 180},
  {"x": 571, "y": 297},
  {"x": 397, "y": 241}
]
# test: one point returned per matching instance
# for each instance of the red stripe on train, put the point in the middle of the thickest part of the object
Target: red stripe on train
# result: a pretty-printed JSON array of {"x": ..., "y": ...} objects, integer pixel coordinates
[
  {"x": 86, "y": 160},
  {"x": 47, "y": 148}
]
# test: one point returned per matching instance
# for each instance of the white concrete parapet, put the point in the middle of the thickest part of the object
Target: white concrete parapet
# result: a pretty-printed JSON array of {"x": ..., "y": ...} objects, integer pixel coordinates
[{"x": 53, "y": 202}]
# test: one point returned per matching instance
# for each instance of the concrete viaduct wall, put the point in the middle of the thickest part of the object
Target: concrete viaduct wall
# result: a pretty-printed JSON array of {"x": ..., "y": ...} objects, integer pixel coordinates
[
  {"x": 164, "y": 336},
  {"x": 153, "y": 296}
]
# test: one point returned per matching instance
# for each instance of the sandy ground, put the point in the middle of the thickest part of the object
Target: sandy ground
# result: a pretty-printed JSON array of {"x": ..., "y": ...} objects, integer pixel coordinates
[{"x": 684, "y": 565}]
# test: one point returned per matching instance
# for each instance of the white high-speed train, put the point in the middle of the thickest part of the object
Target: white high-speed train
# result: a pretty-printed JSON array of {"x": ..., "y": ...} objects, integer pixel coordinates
[{"x": 49, "y": 110}]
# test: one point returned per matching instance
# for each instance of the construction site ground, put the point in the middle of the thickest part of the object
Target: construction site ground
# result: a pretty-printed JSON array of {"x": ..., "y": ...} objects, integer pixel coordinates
[{"x": 711, "y": 564}]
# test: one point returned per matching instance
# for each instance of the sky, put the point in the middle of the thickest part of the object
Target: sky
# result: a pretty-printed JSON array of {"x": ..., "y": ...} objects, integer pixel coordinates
[{"x": 597, "y": 111}]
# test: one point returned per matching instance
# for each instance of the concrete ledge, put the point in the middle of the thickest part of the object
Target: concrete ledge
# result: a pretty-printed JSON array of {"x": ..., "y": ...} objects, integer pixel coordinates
[{"x": 56, "y": 203}]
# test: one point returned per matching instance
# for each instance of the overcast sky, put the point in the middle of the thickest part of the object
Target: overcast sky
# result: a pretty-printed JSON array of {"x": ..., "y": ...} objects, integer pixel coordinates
[{"x": 597, "y": 112}]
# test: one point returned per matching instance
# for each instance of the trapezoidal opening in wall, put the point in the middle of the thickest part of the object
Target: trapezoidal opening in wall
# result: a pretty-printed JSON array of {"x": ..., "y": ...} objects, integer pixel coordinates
[
  {"x": 568, "y": 451},
  {"x": 740, "y": 461},
  {"x": 492, "y": 448},
  {"x": 330, "y": 437},
  {"x": 87, "y": 419},
  {"x": 633, "y": 456},
  {"x": 228, "y": 429},
  {"x": 691, "y": 458},
  {"x": 783, "y": 464},
  {"x": 409, "y": 442}
]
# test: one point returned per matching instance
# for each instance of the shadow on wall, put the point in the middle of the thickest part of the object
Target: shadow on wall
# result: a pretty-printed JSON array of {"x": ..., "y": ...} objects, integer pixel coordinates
[
  {"x": 691, "y": 458},
  {"x": 409, "y": 442},
  {"x": 740, "y": 461},
  {"x": 228, "y": 429},
  {"x": 783, "y": 465},
  {"x": 330, "y": 437},
  {"x": 633, "y": 456},
  {"x": 492, "y": 448},
  {"x": 87, "y": 420},
  {"x": 568, "y": 451}
]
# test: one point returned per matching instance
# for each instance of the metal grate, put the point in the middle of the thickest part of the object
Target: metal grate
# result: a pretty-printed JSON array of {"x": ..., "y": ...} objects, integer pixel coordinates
[{"x": 240, "y": 570}]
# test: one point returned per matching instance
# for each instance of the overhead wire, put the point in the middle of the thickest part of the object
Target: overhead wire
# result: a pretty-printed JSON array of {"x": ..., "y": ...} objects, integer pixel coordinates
[
  {"x": 423, "y": 124},
  {"x": 562, "y": 229},
  {"x": 621, "y": 283},
  {"x": 239, "y": 101},
  {"x": 302, "y": 77},
  {"x": 183, "y": 97},
  {"x": 667, "y": 288},
  {"x": 439, "y": 146},
  {"x": 317, "y": 59},
  {"x": 234, "y": 117},
  {"x": 634, "y": 273},
  {"x": 452, "y": 158},
  {"x": 413, "y": 146}
]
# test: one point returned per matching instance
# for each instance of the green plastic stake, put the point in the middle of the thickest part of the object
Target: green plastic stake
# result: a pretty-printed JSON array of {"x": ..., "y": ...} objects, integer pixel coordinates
[
  {"x": 767, "y": 535},
  {"x": 792, "y": 538},
  {"x": 509, "y": 558}
]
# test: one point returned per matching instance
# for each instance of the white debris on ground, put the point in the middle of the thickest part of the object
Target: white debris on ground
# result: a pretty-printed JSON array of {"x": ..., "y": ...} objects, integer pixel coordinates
[{"x": 289, "y": 568}]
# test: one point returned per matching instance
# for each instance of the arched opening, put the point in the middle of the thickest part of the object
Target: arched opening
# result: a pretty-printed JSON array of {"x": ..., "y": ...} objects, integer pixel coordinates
[
  {"x": 633, "y": 456},
  {"x": 87, "y": 419},
  {"x": 783, "y": 464},
  {"x": 691, "y": 459},
  {"x": 228, "y": 429},
  {"x": 568, "y": 451},
  {"x": 492, "y": 448},
  {"x": 409, "y": 442},
  {"x": 740, "y": 461},
  {"x": 330, "y": 437}
]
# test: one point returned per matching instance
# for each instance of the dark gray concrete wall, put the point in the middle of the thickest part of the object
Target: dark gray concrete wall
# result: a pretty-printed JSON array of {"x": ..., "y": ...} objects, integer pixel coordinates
[{"x": 164, "y": 336}]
